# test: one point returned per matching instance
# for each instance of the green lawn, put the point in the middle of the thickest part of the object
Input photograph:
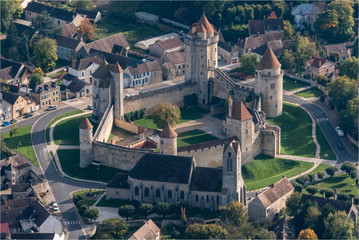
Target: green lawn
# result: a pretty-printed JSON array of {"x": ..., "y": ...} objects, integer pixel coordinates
[
  {"x": 320, "y": 168},
  {"x": 21, "y": 143},
  {"x": 70, "y": 159},
  {"x": 296, "y": 131},
  {"x": 74, "y": 112},
  {"x": 67, "y": 132},
  {"x": 88, "y": 201},
  {"x": 193, "y": 137},
  {"x": 264, "y": 171},
  {"x": 112, "y": 203},
  {"x": 340, "y": 182},
  {"x": 311, "y": 92},
  {"x": 291, "y": 84},
  {"x": 133, "y": 31},
  {"x": 187, "y": 114},
  {"x": 324, "y": 145}
]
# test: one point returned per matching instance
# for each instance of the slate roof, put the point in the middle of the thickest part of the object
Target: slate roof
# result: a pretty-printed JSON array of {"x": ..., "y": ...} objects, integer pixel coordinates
[
  {"x": 255, "y": 27},
  {"x": 225, "y": 46},
  {"x": 149, "y": 230},
  {"x": 275, "y": 24},
  {"x": 67, "y": 42},
  {"x": 168, "y": 132},
  {"x": 28, "y": 235},
  {"x": 275, "y": 192},
  {"x": 234, "y": 145},
  {"x": 54, "y": 12},
  {"x": 319, "y": 62},
  {"x": 119, "y": 181},
  {"x": 160, "y": 168},
  {"x": 114, "y": 58},
  {"x": 89, "y": 14},
  {"x": 337, "y": 204},
  {"x": 85, "y": 124},
  {"x": 253, "y": 42},
  {"x": 103, "y": 73},
  {"x": 10, "y": 97},
  {"x": 268, "y": 61},
  {"x": 107, "y": 44},
  {"x": 340, "y": 48},
  {"x": 77, "y": 85},
  {"x": 84, "y": 63},
  {"x": 29, "y": 65},
  {"x": 40, "y": 213},
  {"x": 240, "y": 112},
  {"x": 20, "y": 187},
  {"x": 206, "y": 179},
  {"x": 170, "y": 43},
  {"x": 176, "y": 57},
  {"x": 9, "y": 69},
  {"x": 69, "y": 30},
  {"x": 306, "y": 9},
  {"x": 145, "y": 67}
]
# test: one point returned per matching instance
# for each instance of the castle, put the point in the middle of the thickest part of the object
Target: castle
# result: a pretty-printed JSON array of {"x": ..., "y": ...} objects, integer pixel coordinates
[{"x": 245, "y": 125}]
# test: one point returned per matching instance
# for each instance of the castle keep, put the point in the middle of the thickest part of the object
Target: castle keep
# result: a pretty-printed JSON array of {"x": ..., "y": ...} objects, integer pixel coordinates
[{"x": 151, "y": 177}]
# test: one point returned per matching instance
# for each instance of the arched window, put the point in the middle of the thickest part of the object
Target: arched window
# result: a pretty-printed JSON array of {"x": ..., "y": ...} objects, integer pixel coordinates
[
  {"x": 181, "y": 195},
  {"x": 169, "y": 194},
  {"x": 196, "y": 197},
  {"x": 207, "y": 198},
  {"x": 147, "y": 192},
  {"x": 158, "y": 193},
  {"x": 137, "y": 191}
]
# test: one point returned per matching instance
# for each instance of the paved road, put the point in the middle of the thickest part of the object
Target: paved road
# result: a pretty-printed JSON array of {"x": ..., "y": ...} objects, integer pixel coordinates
[
  {"x": 60, "y": 186},
  {"x": 326, "y": 126}
]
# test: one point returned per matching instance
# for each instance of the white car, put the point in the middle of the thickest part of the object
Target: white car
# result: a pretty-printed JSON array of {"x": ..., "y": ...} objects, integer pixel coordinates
[
  {"x": 339, "y": 131},
  {"x": 52, "y": 107},
  {"x": 90, "y": 107},
  {"x": 55, "y": 207}
]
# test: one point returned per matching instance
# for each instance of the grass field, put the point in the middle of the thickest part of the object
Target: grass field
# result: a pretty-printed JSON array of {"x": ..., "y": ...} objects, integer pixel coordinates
[
  {"x": 291, "y": 84},
  {"x": 88, "y": 201},
  {"x": 320, "y": 168},
  {"x": 21, "y": 143},
  {"x": 325, "y": 147},
  {"x": 311, "y": 92},
  {"x": 187, "y": 114},
  {"x": 296, "y": 131},
  {"x": 70, "y": 159},
  {"x": 132, "y": 30},
  {"x": 67, "y": 132},
  {"x": 341, "y": 182},
  {"x": 57, "y": 118},
  {"x": 264, "y": 171},
  {"x": 193, "y": 137}
]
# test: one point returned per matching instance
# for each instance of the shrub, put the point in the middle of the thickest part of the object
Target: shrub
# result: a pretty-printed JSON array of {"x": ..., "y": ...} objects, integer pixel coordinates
[
  {"x": 311, "y": 178},
  {"x": 302, "y": 180},
  {"x": 162, "y": 208},
  {"x": 78, "y": 198},
  {"x": 343, "y": 196},
  {"x": 320, "y": 175},
  {"x": 135, "y": 115},
  {"x": 312, "y": 189},
  {"x": 190, "y": 100},
  {"x": 297, "y": 187},
  {"x": 328, "y": 192},
  {"x": 126, "y": 211},
  {"x": 145, "y": 209},
  {"x": 331, "y": 170},
  {"x": 83, "y": 208},
  {"x": 80, "y": 203}
]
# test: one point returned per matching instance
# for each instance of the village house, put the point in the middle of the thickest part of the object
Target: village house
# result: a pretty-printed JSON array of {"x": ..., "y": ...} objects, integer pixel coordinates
[
  {"x": 255, "y": 42},
  {"x": 15, "y": 73},
  {"x": 46, "y": 94},
  {"x": 173, "y": 65},
  {"x": 305, "y": 15},
  {"x": 93, "y": 16},
  {"x": 341, "y": 49},
  {"x": 142, "y": 74},
  {"x": 316, "y": 67},
  {"x": 19, "y": 104},
  {"x": 162, "y": 47},
  {"x": 76, "y": 88},
  {"x": 5, "y": 109},
  {"x": 59, "y": 17},
  {"x": 67, "y": 47},
  {"x": 149, "y": 230},
  {"x": 264, "y": 207},
  {"x": 228, "y": 53},
  {"x": 23, "y": 26},
  {"x": 14, "y": 169},
  {"x": 83, "y": 68},
  {"x": 69, "y": 30},
  {"x": 256, "y": 27}
]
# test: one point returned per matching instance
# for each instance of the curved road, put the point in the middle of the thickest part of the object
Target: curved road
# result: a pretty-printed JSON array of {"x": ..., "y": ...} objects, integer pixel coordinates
[
  {"x": 61, "y": 187},
  {"x": 331, "y": 134}
]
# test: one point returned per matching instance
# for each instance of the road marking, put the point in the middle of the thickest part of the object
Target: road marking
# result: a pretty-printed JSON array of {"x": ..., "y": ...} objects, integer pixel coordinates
[{"x": 72, "y": 222}]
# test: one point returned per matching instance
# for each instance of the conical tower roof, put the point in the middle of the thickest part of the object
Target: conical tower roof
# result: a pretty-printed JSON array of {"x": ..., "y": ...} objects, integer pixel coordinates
[
  {"x": 204, "y": 21},
  {"x": 168, "y": 132},
  {"x": 201, "y": 28},
  {"x": 117, "y": 68},
  {"x": 240, "y": 112},
  {"x": 85, "y": 124},
  {"x": 269, "y": 61}
]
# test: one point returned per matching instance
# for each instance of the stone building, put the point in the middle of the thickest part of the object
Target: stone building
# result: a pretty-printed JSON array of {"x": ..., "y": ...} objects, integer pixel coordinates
[
  {"x": 85, "y": 130},
  {"x": 168, "y": 141},
  {"x": 14, "y": 169},
  {"x": 173, "y": 65},
  {"x": 166, "y": 46},
  {"x": 19, "y": 104},
  {"x": 149, "y": 230},
  {"x": 46, "y": 94},
  {"x": 67, "y": 47},
  {"x": 267, "y": 204},
  {"x": 143, "y": 74},
  {"x": 316, "y": 67}
]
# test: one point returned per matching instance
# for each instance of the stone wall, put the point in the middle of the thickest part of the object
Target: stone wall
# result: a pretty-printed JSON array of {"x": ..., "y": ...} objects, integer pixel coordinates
[
  {"x": 117, "y": 193},
  {"x": 269, "y": 142},
  {"x": 130, "y": 127},
  {"x": 148, "y": 100},
  {"x": 105, "y": 127}
]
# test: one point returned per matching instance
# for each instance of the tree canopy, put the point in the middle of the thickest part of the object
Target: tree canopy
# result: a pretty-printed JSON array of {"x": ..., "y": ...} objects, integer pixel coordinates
[
  {"x": 337, "y": 226},
  {"x": 233, "y": 214},
  {"x": 10, "y": 10},
  {"x": 307, "y": 234},
  {"x": 166, "y": 113},
  {"x": 207, "y": 231},
  {"x": 86, "y": 30},
  {"x": 35, "y": 80},
  {"x": 126, "y": 211},
  {"x": 350, "y": 68},
  {"x": 249, "y": 63},
  {"x": 45, "y": 54}
]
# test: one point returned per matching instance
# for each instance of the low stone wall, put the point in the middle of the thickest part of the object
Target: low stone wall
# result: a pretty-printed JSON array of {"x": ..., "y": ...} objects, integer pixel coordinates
[
  {"x": 104, "y": 129},
  {"x": 130, "y": 127}
]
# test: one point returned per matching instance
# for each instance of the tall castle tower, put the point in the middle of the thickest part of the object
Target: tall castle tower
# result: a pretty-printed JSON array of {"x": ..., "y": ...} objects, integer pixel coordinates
[
  {"x": 201, "y": 56},
  {"x": 86, "y": 154},
  {"x": 117, "y": 91},
  {"x": 168, "y": 141},
  {"x": 232, "y": 179},
  {"x": 269, "y": 84}
]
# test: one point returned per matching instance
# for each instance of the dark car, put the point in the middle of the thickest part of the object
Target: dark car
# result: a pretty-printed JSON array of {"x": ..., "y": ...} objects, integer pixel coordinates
[
  {"x": 340, "y": 146},
  {"x": 13, "y": 121},
  {"x": 27, "y": 115}
]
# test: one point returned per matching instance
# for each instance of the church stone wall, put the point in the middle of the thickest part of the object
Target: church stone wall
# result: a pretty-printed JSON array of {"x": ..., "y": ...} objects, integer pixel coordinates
[{"x": 206, "y": 157}]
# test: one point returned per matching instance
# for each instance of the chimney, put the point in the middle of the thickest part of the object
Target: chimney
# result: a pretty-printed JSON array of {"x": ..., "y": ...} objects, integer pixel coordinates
[
  {"x": 352, "y": 200},
  {"x": 230, "y": 108},
  {"x": 335, "y": 196},
  {"x": 323, "y": 194},
  {"x": 27, "y": 89},
  {"x": 18, "y": 86},
  {"x": 73, "y": 62},
  {"x": 113, "y": 141}
]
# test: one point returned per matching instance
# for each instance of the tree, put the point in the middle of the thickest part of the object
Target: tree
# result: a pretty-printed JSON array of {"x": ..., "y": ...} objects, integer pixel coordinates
[
  {"x": 126, "y": 211},
  {"x": 162, "y": 208},
  {"x": 288, "y": 29},
  {"x": 83, "y": 4},
  {"x": 348, "y": 167},
  {"x": 91, "y": 214},
  {"x": 13, "y": 129},
  {"x": 45, "y": 54},
  {"x": 35, "y": 80},
  {"x": 39, "y": 71},
  {"x": 328, "y": 192},
  {"x": 327, "y": 209},
  {"x": 311, "y": 178},
  {"x": 207, "y": 231},
  {"x": 334, "y": 57},
  {"x": 292, "y": 203},
  {"x": 166, "y": 113},
  {"x": 145, "y": 209},
  {"x": 343, "y": 196},
  {"x": 331, "y": 170},
  {"x": 335, "y": 24},
  {"x": 249, "y": 63},
  {"x": 297, "y": 187},
  {"x": 12, "y": 36},
  {"x": 112, "y": 228},
  {"x": 10, "y": 10},
  {"x": 350, "y": 68},
  {"x": 45, "y": 27},
  {"x": 353, "y": 174},
  {"x": 312, "y": 217},
  {"x": 337, "y": 226},
  {"x": 320, "y": 175},
  {"x": 24, "y": 48},
  {"x": 312, "y": 189},
  {"x": 302, "y": 51},
  {"x": 233, "y": 214},
  {"x": 288, "y": 60},
  {"x": 323, "y": 80},
  {"x": 86, "y": 30},
  {"x": 307, "y": 234}
]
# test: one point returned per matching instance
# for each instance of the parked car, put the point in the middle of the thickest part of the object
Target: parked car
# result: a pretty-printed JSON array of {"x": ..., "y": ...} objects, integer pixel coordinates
[
  {"x": 90, "y": 107},
  {"x": 340, "y": 146},
  {"x": 6, "y": 123},
  {"x": 27, "y": 115},
  {"x": 55, "y": 207},
  {"x": 52, "y": 107},
  {"x": 339, "y": 131},
  {"x": 13, "y": 121}
]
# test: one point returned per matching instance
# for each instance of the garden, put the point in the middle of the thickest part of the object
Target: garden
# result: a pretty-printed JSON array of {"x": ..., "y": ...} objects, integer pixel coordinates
[
  {"x": 290, "y": 84},
  {"x": 310, "y": 93}
]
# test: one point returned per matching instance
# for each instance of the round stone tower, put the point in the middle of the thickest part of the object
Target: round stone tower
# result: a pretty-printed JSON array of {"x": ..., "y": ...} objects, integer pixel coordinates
[
  {"x": 269, "y": 84},
  {"x": 168, "y": 141},
  {"x": 86, "y": 155}
]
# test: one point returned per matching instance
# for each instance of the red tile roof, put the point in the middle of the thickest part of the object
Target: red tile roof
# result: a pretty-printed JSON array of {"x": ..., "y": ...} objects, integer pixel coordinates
[
  {"x": 85, "y": 124},
  {"x": 168, "y": 132},
  {"x": 269, "y": 61},
  {"x": 240, "y": 112},
  {"x": 170, "y": 43}
]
